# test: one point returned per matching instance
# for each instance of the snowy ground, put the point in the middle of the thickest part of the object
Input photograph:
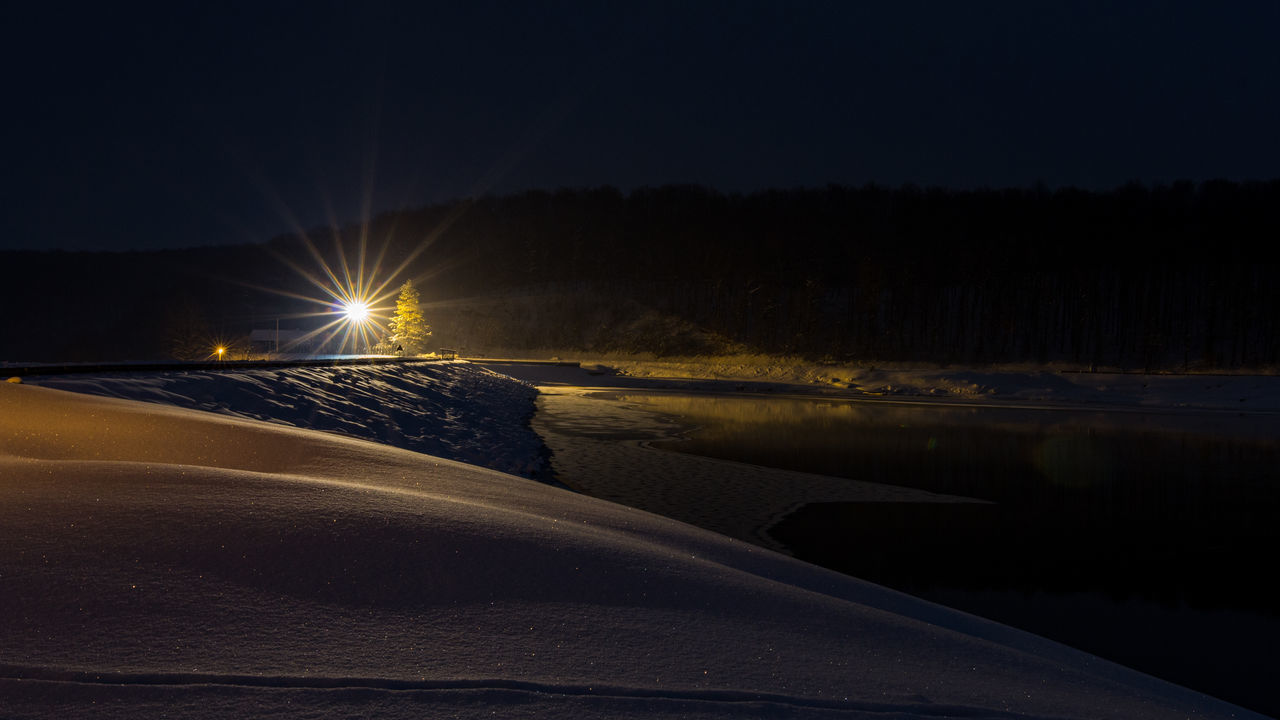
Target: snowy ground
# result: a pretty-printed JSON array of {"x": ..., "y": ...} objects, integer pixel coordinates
[
  {"x": 1006, "y": 385},
  {"x": 454, "y": 410},
  {"x": 159, "y": 559},
  {"x": 1034, "y": 386}
]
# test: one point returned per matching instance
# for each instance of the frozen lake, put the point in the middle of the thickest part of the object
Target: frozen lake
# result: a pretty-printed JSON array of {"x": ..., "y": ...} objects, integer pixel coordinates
[{"x": 1142, "y": 537}]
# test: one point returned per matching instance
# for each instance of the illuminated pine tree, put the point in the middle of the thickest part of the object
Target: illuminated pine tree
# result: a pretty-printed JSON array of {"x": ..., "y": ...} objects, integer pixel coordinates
[{"x": 409, "y": 330}]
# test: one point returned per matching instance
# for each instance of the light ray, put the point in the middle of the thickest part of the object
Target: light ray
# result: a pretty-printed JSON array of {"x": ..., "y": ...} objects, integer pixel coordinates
[{"x": 352, "y": 296}]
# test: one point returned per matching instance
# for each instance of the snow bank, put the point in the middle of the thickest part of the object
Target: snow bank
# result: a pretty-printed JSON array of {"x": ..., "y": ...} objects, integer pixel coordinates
[
  {"x": 451, "y": 409},
  {"x": 162, "y": 560},
  {"x": 1005, "y": 386}
]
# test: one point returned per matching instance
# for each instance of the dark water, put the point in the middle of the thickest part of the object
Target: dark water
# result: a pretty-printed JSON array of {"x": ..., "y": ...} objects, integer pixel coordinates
[{"x": 1146, "y": 539}]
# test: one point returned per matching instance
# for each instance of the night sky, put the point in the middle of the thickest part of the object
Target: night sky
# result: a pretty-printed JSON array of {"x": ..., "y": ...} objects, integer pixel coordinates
[{"x": 176, "y": 124}]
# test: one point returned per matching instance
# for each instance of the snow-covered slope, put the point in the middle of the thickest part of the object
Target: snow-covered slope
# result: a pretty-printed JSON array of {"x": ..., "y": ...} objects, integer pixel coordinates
[
  {"x": 454, "y": 410},
  {"x": 162, "y": 560}
]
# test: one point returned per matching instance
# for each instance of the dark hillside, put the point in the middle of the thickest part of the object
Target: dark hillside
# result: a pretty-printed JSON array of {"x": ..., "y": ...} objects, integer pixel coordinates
[{"x": 1166, "y": 278}]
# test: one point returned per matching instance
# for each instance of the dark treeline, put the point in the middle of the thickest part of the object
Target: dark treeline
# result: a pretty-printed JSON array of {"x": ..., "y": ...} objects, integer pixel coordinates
[
  {"x": 1170, "y": 277},
  {"x": 1165, "y": 278}
]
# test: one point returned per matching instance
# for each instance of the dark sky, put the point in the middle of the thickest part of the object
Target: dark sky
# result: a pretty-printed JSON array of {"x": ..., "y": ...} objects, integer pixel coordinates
[{"x": 131, "y": 125}]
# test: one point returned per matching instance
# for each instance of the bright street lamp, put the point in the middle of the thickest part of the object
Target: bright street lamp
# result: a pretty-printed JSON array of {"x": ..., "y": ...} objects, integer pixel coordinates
[{"x": 356, "y": 311}]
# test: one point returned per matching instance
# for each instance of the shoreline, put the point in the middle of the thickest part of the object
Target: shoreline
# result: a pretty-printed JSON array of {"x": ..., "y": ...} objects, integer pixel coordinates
[{"x": 1012, "y": 387}]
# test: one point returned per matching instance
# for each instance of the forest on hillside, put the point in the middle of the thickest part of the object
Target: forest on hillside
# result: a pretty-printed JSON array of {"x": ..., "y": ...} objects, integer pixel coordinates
[{"x": 1166, "y": 278}]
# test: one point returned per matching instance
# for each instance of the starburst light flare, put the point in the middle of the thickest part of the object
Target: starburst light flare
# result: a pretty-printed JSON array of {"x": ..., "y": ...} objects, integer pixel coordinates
[
  {"x": 356, "y": 311},
  {"x": 357, "y": 306}
]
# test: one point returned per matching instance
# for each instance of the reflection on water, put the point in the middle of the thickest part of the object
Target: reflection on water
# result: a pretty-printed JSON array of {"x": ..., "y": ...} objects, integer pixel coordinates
[
  {"x": 603, "y": 448},
  {"x": 1124, "y": 504},
  {"x": 1167, "y": 522}
]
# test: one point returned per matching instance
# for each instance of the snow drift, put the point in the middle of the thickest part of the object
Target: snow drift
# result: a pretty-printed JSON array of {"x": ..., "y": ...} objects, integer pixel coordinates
[
  {"x": 454, "y": 409},
  {"x": 159, "y": 559}
]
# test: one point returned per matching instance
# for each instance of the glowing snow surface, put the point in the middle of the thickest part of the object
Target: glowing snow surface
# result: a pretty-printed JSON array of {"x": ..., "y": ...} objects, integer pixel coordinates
[
  {"x": 451, "y": 409},
  {"x": 163, "y": 560}
]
